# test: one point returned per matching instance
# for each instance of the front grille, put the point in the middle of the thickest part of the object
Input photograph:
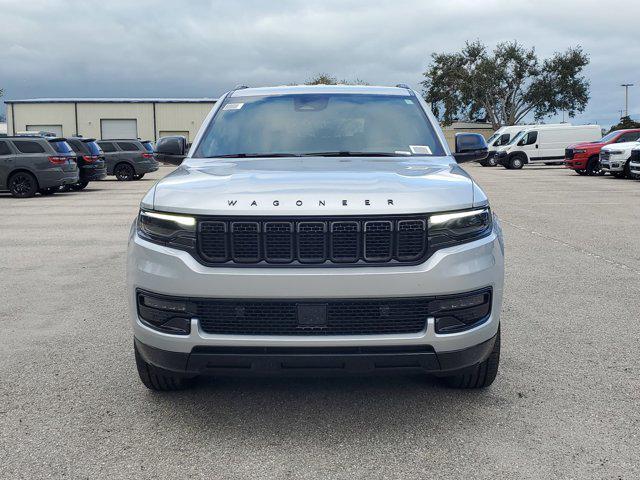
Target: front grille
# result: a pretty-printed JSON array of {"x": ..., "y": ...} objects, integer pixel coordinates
[
  {"x": 312, "y": 240},
  {"x": 568, "y": 153},
  {"x": 334, "y": 317}
]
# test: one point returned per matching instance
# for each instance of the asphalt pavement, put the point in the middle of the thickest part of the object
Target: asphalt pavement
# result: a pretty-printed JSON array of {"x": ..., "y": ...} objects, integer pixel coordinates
[{"x": 566, "y": 403}]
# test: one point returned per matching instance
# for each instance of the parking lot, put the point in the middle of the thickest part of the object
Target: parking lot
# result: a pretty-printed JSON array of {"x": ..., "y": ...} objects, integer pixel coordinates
[{"x": 565, "y": 404}]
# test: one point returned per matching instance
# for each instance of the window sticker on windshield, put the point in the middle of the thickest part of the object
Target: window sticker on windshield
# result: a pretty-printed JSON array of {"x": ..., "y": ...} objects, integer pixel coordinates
[
  {"x": 420, "y": 149},
  {"x": 408, "y": 101},
  {"x": 233, "y": 106}
]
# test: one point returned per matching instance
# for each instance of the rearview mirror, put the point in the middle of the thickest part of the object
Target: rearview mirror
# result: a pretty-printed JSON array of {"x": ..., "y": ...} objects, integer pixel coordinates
[
  {"x": 171, "y": 149},
  {"x": 470, "y": 147}
]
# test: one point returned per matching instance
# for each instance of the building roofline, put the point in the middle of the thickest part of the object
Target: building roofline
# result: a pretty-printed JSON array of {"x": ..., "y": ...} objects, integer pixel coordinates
[{"x": 113, "y": 100}]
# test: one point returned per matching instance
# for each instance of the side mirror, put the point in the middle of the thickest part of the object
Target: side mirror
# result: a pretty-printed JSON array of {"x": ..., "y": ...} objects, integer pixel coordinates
[
  {"x": 470, "y": 147},
  {"x": 171, "y": 150}
]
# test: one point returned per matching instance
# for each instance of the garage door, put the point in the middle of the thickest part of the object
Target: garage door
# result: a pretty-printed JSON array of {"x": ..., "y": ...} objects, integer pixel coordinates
[
  {"x": 56, "y": 129},
  {"x": 174, "y": 133},
  {"x": 118, "y": 128}
]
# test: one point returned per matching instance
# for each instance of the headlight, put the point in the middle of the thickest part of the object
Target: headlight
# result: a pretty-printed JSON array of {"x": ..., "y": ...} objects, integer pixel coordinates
[
  {"x": 448, "y": 229},
  {"x": 614, "y": 152},
  {"x": 168, "y": 229}
]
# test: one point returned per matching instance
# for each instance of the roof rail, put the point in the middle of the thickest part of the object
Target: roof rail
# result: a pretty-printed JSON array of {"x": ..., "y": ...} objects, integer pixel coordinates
[
  {"x": 403, "y": 85},
  {"x": 240, "y": 87}
]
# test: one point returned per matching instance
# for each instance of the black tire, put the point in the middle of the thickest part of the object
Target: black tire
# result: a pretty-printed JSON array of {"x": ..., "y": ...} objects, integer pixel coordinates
[
  {"x": 481, "y": 375},
  {"x": 22, "y": 185},
  {"x": 491, "y": 161},
  {"x": 516, "y": 162},
  {"x": 158, "y": 379},
  {"x": 581, "y": 172},
  {"x": 81, "y": 185},
  {"x": 626, "y": 173},
  {"x": 124, "y": 172},
  {"x": 593, "y": 167},
  {"x": 138, "y": 176}
]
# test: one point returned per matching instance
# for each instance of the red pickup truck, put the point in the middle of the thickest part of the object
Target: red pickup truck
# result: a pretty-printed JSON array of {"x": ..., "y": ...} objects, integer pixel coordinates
[{"x": 584, "y": 157}]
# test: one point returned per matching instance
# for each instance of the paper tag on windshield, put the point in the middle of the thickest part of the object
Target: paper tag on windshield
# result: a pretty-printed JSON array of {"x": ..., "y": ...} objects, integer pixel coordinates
[
  {"x": 233, "y": 106},
  {"x": 420, "y": 149}
]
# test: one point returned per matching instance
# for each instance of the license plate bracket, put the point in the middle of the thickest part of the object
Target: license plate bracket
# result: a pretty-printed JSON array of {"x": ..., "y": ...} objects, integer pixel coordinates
[{"x": 312, "y": 315}]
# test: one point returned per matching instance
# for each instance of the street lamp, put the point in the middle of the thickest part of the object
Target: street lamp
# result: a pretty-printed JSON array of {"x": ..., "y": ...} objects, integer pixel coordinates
[{"x": 626, "y": 97}]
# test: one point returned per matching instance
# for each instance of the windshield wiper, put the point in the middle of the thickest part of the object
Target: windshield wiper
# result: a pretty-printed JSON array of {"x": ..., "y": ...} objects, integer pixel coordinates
[
  {"x": 254, "y": 155},
  {"x": 347, "y": 153},
  {"x": 337, "y": 153}
]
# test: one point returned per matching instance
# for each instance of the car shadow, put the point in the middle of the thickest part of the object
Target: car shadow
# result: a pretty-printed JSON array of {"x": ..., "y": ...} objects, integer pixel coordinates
[{"x": 298, "y": 408}]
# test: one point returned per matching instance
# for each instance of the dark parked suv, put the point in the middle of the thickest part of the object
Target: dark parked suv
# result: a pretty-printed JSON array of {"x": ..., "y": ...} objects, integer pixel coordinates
[
  {"x": 36, "y": 164},
  {"x": 90, "y": 160},
  {"x": 128, "y": 159}
]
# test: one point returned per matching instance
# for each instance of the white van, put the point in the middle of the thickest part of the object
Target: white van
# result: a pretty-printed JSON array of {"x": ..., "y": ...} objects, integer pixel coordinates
[
  {"x": 544, "y": 144},
  {"x": 504, "y": 135}
]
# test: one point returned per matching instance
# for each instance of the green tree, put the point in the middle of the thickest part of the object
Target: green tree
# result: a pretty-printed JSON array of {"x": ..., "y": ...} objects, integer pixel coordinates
[
  {"x": 326, "y": 79},
  {"x": 506, "y": 85},
  {"x": 625, "y": 122}
]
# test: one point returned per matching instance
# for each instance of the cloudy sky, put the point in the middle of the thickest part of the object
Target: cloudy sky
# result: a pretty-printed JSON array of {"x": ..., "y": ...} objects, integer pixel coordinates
[{"x": 200, "y": 48}]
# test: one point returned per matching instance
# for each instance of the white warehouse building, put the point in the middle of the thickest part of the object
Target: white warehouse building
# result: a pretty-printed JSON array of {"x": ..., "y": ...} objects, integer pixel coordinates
[{"x": 105, "y": 118}]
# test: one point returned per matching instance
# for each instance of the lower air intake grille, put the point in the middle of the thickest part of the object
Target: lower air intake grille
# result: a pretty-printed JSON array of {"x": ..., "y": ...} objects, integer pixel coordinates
[
  {"x": 336, "y": 317},
  {"x": 312, "y": 240}
]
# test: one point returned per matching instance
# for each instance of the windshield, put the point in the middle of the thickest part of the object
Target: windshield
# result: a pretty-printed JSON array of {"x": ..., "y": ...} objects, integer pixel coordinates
[
  {"x": 317, "y": 124},
  {"x": 148, "y": 146},
  {"x": 492, "y": 138},
  {"x": 608, "y": 137},
  {"x": 517, "y": 137},
  {"x": 93, "y": 148},
  {"x": 61, "y": 146}
]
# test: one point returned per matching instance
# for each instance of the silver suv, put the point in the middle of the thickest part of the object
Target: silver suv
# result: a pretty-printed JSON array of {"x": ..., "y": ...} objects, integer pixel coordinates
[
  {"x": 30, "y": 165},
  {"x": 128, "y": 159},
  {"x": 317, "y": 229}
]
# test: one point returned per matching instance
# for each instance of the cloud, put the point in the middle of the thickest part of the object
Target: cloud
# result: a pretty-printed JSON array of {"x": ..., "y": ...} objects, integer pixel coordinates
[{"x": 203, "y": 48}]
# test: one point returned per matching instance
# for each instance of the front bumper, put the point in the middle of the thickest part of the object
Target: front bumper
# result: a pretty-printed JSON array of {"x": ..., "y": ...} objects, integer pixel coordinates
[
  {"x": 576, "y": 163},
  {"x": 464, "y": 268},
  {"x": 613, "y": 164},
  {"x": 300, "y": 360},
  {"x": 502, "y": 158}
]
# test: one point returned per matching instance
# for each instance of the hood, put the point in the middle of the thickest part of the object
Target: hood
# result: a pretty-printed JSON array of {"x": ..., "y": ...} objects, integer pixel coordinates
[
  {"x": 621, "y": 146},
  {"x": 587, "y": 145},
  {"x": 315, "y": 186}
]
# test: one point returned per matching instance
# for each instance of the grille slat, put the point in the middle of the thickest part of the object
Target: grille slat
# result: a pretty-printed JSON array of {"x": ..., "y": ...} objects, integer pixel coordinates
[
  {"x": 569, "y": 153},
  {"x": 311, "y": 240},
  {"x": 378, "y": 241},
  {"x": 245, "y": 242}
]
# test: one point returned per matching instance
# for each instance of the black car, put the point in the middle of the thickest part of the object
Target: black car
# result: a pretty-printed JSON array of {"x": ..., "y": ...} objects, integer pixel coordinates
[{"x": 90, "y": 160}]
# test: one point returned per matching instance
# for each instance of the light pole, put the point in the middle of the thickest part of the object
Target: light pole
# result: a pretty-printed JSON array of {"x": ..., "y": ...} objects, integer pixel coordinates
[{"x": 626, "y": 97}]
